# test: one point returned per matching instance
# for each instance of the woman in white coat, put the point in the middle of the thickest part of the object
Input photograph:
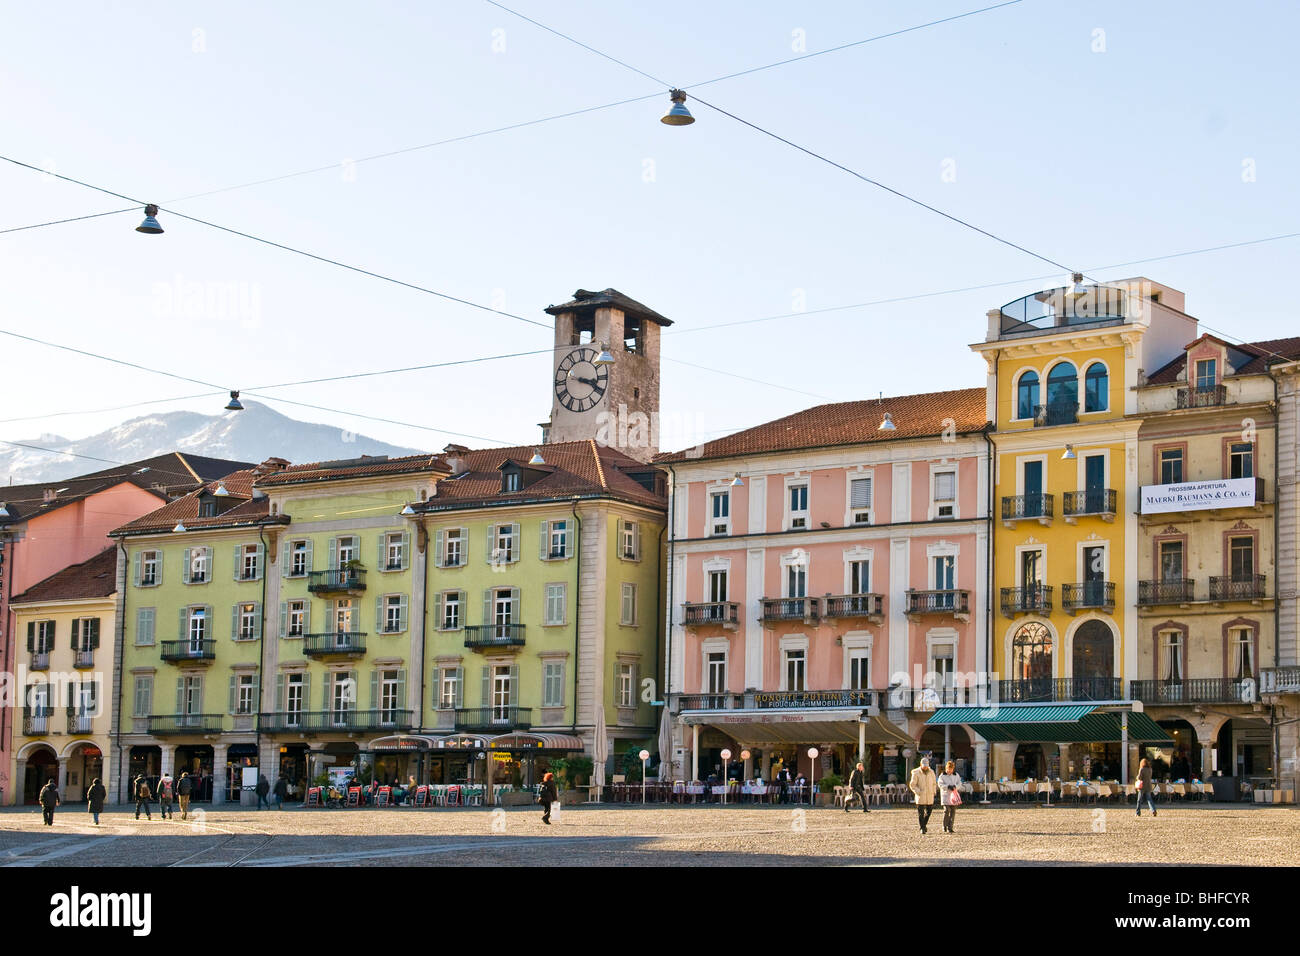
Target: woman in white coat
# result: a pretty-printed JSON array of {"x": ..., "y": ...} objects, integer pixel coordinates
[{"x": 949, "y": 783}]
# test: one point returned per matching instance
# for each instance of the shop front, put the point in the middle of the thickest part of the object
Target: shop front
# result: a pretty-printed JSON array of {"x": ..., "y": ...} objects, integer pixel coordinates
[
  {"x": 239, "y": 757},
  {"x": 85, "y": 763},
  {"x": 197, "y": 761},
  {"x": 520, "y": 759}
]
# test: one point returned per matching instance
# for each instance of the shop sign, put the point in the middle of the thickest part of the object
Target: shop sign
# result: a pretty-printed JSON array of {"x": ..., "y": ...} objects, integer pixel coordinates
[
  {"x": 1198, "y": 495},
  {"x": 814, "y": 698}
]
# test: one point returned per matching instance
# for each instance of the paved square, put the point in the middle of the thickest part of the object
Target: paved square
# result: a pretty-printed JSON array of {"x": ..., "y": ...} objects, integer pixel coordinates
[{"x": 656, "y": 836}]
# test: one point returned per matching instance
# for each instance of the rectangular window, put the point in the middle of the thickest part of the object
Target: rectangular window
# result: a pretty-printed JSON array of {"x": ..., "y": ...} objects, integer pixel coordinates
[
  {"x": 502, "y": 696},
  {"x": 627, "y": 685},
  {"x": 717, "y": 586},
  {"x": 511, "y": 481},
  {"x": 795, "y": 663},
  {"x": 343, "y": 609},
  {"x": 555, "y": 601},
  {"x": 296, "y": 622},
  {"x": 945, "y": 494},
  {"x": 294, "y": 697},
  {"x": 453, "y": 548},
  {"x": 1031, "y": 568},
  {"x": 143, "y": 695},
  {"x": 558, "y": 540},
  {"x": 796, "y": 581},
  {"x": 247, "y": 622},
  {"x": 347, "y": 551},
  {"x": 859, "y": 577},
  {"x": 451, "y": 611},
  {"x": 389, "y": 696},
  {"x": 1171, "y": 561},
  {"x": 945, "y": 574},
  {"x": 394, "y": 551},
  {"x": 198, "y": 629},
  {"x": 199, "y": 566},
  {"x": 628, "y": 615},
  {"x": 1173, "y": 653},
  {"x": 449, "y": 688},
  {"x": 504, "y": 549},
  {"x": 629, "y": 541},
  {"x": 1241, "y": 460},
  {"x": 192, "y": 695},
  {"x": 343, "y": 697},
  {"x": 1243, "y": 658},
  {"x": 1241, "y": 558},
  {"x": 298, "y": 559},
  {"x": 44, "y": 637},
  {"x": 1171, "y": 466},
  {"x": 717, "y": 672},
  {"x": 860, "y": 500},
  {"x": 859, "y": 669},
  {"x": 248, "y": 568},
  {"x": 144, "y": 625},
  {"x": 942, "y": 666},
  {"x": 393, "y": 614},
  {"x": 720, "y": 512},
  {"x": 149, "y": 562},
  {"x": 1206, "y": 378},
  {"x": 798, "y": 506},
  {"x": 246, "y": 694},
  {"x": 553, "y": 684}
]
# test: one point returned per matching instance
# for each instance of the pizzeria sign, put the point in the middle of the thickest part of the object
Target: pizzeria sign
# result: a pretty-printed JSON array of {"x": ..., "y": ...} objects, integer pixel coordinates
[{"x": 1198, "y": 495}]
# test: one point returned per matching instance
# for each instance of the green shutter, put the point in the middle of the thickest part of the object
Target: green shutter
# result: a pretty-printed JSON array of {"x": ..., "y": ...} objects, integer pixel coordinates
[
  {"x": 76, "y": 636},
  {"x": 158, "y": 569},
  {"x": 188, "y": 565},
  {"x": 279, "y": 693},
  {"x": 234, "y": 622},
  {"x": 374, "y": 689},
  {"x": 261, "y": 560},
  {"x": 257, "y": 693},
  {"x": 438, "y": 553},
  {"x": 516, "y": 545},
  {"x": 310, "y": 547},
  {"x": 514, "y": 685},
  {"x": 135, "y": 572},
  {"x": 401, "y": 689},
  {"x": 94, "y": 634},
  {"x": 334, "y": 555},
  {"x": 379, "y": 613},
  {"x": 406, "y": 550},
  {"x": 239, "y": 562},
  {"x": 381, "y": 561},
  {"x": 286, "y": 558},
  {"x": 460, "y": 687},
  {"x": 306, "y": 616},
  {"x": 180, "y": 695},
  {"x": 306, "y": 690},
  {"x": 257, "y": 620},
  {"x": 401, "y": 613},
  {"x": 516, "y": 610},
  {"x": 487, "y": 607},
  {"x": 440, "y": 619},
  {"x": 284, "y": 619},
  {"x": 31, "y": 637},
  {"x": 545, "y": 550},
  {"x": 352, "y": 676},
  {"x": 486, "y": 699},
  {"x": 464, "y": 547},
  {"x": 49, "y": 637},
  {"x": 234, "y": 693},
  {"x": 491, "y": 543}
]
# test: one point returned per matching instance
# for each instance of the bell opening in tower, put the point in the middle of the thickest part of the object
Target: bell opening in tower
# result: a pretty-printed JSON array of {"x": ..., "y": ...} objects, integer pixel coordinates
[{"x": 584, "y": 329}]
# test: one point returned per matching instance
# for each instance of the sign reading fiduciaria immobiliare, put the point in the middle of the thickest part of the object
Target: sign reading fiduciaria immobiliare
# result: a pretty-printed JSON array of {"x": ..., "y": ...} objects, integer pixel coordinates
[{"x": 1198, "y": 495}]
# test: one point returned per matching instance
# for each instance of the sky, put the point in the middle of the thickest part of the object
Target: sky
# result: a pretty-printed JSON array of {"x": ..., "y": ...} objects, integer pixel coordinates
[{"x": 1090, "y": 133}]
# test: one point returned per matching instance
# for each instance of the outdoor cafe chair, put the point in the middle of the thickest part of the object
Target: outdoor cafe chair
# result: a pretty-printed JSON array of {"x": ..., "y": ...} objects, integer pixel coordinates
[
  {"x": 354, "y": 796},
  {"x": 453, "y": 796},
  {"x": 384, "y": 797},
  {"x": 315, "y": 796}
]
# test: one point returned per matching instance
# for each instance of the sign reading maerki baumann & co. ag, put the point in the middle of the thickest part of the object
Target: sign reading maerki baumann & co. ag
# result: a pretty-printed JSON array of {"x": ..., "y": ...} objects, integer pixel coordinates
[{"x": 1198, "y": 495}]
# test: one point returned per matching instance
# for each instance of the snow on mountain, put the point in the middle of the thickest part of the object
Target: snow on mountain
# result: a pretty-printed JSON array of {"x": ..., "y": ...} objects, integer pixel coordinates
[{"x": 255, "y": 434}]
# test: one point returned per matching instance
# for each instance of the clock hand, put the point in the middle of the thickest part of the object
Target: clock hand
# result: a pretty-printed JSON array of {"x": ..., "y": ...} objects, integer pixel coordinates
[{"x": 585, "y": 381}]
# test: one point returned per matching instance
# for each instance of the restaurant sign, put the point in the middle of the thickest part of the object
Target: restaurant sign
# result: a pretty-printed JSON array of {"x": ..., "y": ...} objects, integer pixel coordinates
[
  {"x": 814, "y": 698},
  {"x": 1198, "y": 495}
]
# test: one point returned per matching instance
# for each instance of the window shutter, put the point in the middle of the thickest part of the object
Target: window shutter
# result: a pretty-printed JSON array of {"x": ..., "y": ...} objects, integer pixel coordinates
[
  {"x": 406, "y": 550},
  {"x": 306, "y": 690},
  {"x": 438, "y": 553},
  {"x": 76, "y": 637},
  {"x": 379, "y": 613},
  {"x": 135, "y": 572},
  {"x": 491, "y": 543},
  {"x": 440, "y": 618},
  {"x": 31, "y": 637},
  {"x": 234, "y": 694},
  {"x": 309, "y": 552},
  {"x": 460, "y": 687},
  {"x": 182, "y": 632},
  {"x": 158, "y": 567},
  {"x": 545, "y": 545},
  {"x": 187, "y": 569},
  {"x": 261, "y": 560},
  {"x": 306, "y": 617},
  {"x": 374, "y": 690},
  {"x": 209, "y": 622},
  {"x": 515, "y": 543},
  {"x": 860, "y": 493},
  {"x": 487, "y": 686},
  {"x": 234, "y": 623},
  {"x": 180, "y": 695},
  {"x": 279, "y": 693},
  {"x": 239, "y": 562},
  {"x": 284, "y": 619},
  {"x": 257, "y": 693},
  {"x": 487, "y": 607},
  {"x": 618, "y": 688},
  {"x": 286, "y": 558},
  {"x": 352, "y": 676},
  {"x": 94, "y": 634},
  {"x": 516, "y": 613},
  {"x": 401, "y": 613},
  {"x": 514, "y": 685},
  {"x": 464, "y": 547},
  {"x": 381, "y": 561},
  {"x": 144, "y": 621},
  {"x": 636, "y": 682},
  {"x": 334, "y": 554},
  {"x": 636, "y": 540},
  {"x": 49, "y": 636},
  {"x": 257, "y": 620},
  {"x": 401, "y": 689}
]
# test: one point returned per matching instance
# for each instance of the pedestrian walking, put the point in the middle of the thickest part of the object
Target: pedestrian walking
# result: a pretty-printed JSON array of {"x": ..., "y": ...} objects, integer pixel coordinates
[
  {"x": 857, "y": 788},
  {"x": 140, "y": 790},
  {"x": 95, "y": 799},
  {"x": 263, "y": 788},
  {"x": 783, "y": 784},
  {"x": 924, "y": 788},
  {"x": 166, "y": 793},
  {"x": 281, "y": 792},
  {"x": 1144, "y": 789},
  {"x": 49, "y": 799},
  {"x": 548, "y": 796},
  {"x": 184, "y": 789},
  {"x": 950, "y": 795}
]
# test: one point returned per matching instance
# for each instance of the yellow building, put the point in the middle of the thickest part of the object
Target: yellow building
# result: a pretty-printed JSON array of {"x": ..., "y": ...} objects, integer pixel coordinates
[
  {"x": 68, "y": 622},
  {"x": 1062, "y": 367}
]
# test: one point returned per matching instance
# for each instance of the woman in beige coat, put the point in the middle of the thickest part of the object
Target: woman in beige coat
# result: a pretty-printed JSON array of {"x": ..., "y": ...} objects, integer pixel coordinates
[{"x": 924, "y": 787}]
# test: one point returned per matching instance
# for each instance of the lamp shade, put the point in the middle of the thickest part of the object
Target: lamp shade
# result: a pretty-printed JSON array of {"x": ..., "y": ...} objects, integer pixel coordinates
[
  {"x": 678, "y": 114},
  {"x": 150, "y": 225},
  {"x": 233, "y": 405}
]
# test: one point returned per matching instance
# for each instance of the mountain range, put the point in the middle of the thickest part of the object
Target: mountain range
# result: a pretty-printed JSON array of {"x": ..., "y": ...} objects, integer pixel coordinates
[{"x": 255, "y": 434}]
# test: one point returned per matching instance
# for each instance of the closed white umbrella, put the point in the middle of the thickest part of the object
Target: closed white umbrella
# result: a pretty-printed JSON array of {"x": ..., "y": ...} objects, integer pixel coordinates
[
  {"x": 665, "y": 746},
  {"x": 600, "y": 747}
]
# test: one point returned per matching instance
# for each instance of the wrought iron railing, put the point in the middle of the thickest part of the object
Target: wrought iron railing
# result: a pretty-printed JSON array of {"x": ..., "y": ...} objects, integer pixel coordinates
[
  {"x": 494, "y": 635},
  {"x": 711, "y": 612},
  {"x": 854, "y": 605},
  {"x": 1240, "y": 587},
  {"x": 499, "y": 719},
  {"x": 188, "y": 650},
  {"x": 938, "y": 602},
  {"x": 1088, "y": 594},
  {"x": 1203, "y": 397},
  {"x": 1092, "y": 501},
  {"x": 1033, "y": 599},
  {"x": 1194, "y": 690},
  {"x": 36, "y": 721},
  {"x": 1060, "y": 689},
  {"x": 40, "y": 661},
  {"x": 789, "y": 609},
  {"x": 83, "y": 660},
  {"x": 316, "y": 721},
  {"x": 334, "y": 642},
  {"x": 163, "y": 724},
  {"x": 80, "y": 722},
  {"x": 1016, "y": 507},
  {"x": 1167, "y": 591},
  {"x": 710, "y": 702},
  {"x": 337, "y": 579}
]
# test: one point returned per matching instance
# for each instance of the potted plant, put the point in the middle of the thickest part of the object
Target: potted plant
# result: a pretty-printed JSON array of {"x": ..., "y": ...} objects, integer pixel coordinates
[{"x": 826, "y": 789}]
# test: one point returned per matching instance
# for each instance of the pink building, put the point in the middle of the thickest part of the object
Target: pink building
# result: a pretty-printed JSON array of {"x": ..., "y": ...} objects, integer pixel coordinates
[
  {"x": 53, "y": 525},
  {"x": 827, "y": 586}
]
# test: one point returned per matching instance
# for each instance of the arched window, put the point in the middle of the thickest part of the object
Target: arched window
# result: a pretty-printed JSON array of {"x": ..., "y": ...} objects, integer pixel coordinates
[
  {"x": 1094, "y": 662},
  {"x": 1027, "y": 395},
  {"x": 1063, "y": 388},
  {"x": 1096, "y": 388},
  {"x": 1031, "y": 663}
]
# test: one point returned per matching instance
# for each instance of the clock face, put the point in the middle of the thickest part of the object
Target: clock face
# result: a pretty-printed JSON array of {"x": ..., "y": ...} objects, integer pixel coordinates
[{"x": 579, "y": 382}]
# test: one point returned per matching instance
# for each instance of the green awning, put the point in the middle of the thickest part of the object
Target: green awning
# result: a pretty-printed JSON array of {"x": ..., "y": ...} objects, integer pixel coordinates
[{"x": 1051, "y": 723}]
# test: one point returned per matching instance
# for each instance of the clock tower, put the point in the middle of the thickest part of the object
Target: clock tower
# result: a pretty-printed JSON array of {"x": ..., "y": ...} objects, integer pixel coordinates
[{"x": 616, "y": 403}]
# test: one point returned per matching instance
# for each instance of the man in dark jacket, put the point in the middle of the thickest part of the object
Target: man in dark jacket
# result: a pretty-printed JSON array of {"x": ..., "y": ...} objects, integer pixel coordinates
[
  {"x": 140, "y": 790},
  {"x": 49, "y": 799},
  {"x": 281, "y": 792},
  {"x": 548, "y": 795},
  {"x": 783, "y": 782},
  {"x": 263, "y": 788},
  {"x": 184, "y": 790},
  {"x": 95, "y": 799},
  {"x": 857, "y": 786}
]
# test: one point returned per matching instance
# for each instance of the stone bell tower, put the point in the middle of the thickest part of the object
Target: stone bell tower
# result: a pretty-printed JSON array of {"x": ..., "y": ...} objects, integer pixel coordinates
[{"x": 616, "y": 403}]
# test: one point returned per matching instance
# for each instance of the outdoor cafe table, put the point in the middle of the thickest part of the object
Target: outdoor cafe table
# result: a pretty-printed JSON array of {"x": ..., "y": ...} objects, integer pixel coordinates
[
  {"x": 695, "y": 790},
  {"x": 755, "y": 791}
]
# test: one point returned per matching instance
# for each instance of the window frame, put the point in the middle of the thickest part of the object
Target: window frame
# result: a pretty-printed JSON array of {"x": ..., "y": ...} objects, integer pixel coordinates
[
  {"x": 548, "y": 619},
  {"x": 715, "y": 522},
  {"x": 628, "y": 592},
  {"x": 794, "y": 486}
]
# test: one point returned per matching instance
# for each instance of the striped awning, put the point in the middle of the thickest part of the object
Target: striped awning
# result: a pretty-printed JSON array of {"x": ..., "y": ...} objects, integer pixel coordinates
[
  {"x": 800, "y": 726},
  {"x": 522, "y": 741},
  {"x": 1051, "y": 723}
]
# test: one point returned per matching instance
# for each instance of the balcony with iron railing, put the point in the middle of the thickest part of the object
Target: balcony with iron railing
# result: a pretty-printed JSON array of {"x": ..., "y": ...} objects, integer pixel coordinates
[
  {"x": 36, "y": 720},
  {"x": 1237, "y": 587},
  {"x": 337, "y": 581},
  {"x": 318, "y": 721},
  {"x": 940, "y": 601},
  {"x": 479, "y": 636},
  {"x": 1060, "y": 689},
  {"x": 1166, "y": 591},
  {"x": 161, "y": 725},
  {"x": 494, "y": 719},
  {"x": 330, "y": 643},
  {"x": 39, "y": 661},
  {"x": 1033, "y": 599},
  {"x": 1093, "y": 501},
  {"x": 789, "y": 609},
  {"x": 1056, "y": 413},
  {"x": 1034, "y": 507},
  {"x": 1202, "y": 397},
  {"x": 710, "y": 702},
  {"x": 1099, "y": 595},
  {"x": 188, "y": 650},
  {"x": 80, "y": 722},
  {"x": 725, "y": 613},
  {"x": 868, "y": 606},
  {"x": 1195, "y": 690},
  {"x": 83, "y": 660}
]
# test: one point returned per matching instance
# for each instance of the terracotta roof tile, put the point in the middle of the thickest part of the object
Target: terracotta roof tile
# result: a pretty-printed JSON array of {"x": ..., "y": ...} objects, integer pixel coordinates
[
  {"x": 364, "y": 467},
  {"x": 583, "y": 301},
  {"x": 1265, "y": 352},
  {"x": 246, "y": 513},
  {"x": 851, "y": 423},
  {"x": 93, "y": 578}
]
